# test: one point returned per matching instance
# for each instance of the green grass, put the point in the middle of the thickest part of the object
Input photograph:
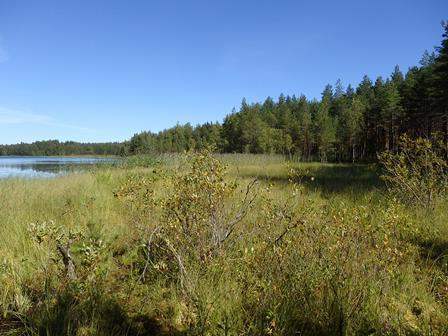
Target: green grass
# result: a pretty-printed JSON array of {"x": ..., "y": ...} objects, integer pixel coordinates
[{"x": 323, "y": 250}]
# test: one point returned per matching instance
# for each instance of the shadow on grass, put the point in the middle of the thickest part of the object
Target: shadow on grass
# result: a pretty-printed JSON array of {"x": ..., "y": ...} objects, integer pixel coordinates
[
  {"x": 434, "y": 253},
  {"x": 69, "y": 316},
  {"x": 330, "y": 178},
  {"x": 435, "y": 250}
]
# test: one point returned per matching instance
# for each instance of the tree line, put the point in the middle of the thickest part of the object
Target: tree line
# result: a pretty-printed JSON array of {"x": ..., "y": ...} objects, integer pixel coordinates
[
  {"x": 55, "y": 147},
  {"x": 346, "y": 124}
]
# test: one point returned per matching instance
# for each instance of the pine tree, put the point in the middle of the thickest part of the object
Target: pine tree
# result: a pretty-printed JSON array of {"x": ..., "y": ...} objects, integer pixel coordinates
[
  {"x": 324, "y": 126},
  {"x": 440, "y": 85}
]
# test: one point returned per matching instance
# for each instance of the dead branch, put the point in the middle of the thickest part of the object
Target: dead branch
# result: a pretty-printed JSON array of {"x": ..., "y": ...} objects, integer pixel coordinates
[
  {"x": 67, "y": 259},
  {"x": 247, "y": 204}
]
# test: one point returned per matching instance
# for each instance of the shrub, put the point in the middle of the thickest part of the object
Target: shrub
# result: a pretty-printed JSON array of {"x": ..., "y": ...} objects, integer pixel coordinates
[
  {"x": 188, "y": 227},
  {"x": 418, "y": 173}
]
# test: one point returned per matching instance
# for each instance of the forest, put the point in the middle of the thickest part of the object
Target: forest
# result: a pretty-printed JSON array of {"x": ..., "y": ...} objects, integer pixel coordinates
[
  {"x": 56, "y": 147},
  {"x": 346, "y": 125}
]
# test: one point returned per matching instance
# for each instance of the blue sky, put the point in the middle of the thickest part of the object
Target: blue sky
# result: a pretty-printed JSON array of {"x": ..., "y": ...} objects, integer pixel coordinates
[{"x": 91, "y": 70}]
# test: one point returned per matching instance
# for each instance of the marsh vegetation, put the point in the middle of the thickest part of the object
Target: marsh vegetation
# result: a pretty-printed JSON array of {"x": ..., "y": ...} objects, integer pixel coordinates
[{"x": 204, "y": 244}]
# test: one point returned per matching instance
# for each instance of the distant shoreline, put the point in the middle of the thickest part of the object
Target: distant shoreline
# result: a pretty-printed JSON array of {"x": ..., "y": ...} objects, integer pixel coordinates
[{"x": 64, "y": 156}]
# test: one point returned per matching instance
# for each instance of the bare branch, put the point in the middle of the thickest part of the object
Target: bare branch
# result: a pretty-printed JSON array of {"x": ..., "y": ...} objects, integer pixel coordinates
[{"x": 67, "y": 260}]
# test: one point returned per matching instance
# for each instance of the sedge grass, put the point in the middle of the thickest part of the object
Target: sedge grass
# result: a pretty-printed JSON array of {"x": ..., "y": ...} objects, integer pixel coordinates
[{"x": 357, "y": 263}]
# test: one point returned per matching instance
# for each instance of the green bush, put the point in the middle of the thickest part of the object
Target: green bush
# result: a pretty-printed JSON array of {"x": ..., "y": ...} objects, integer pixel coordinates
[{"x": 418, "y": 173}]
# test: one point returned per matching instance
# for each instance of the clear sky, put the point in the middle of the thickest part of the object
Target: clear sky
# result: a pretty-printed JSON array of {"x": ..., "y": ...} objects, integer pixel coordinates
[{"x": 91, "y": 70}]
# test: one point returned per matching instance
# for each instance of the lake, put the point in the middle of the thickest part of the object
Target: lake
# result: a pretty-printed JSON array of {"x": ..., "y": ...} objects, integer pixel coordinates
[{"x": 44, "y": 167}]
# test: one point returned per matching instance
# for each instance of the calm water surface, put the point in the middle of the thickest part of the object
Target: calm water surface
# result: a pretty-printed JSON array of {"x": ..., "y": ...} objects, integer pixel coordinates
[{"x": 44, "y": 167}]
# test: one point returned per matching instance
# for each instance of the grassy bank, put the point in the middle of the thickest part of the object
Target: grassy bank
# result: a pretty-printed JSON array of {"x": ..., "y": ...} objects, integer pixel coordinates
[{"x": 181, "y": 245}]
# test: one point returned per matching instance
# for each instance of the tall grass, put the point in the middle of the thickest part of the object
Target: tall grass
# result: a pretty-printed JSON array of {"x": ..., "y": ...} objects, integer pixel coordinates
[{"x": 321, "y": 250}]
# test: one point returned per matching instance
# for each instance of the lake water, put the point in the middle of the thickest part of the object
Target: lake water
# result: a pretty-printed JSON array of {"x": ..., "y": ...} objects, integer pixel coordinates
[{"x": 43, "y": 167}]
